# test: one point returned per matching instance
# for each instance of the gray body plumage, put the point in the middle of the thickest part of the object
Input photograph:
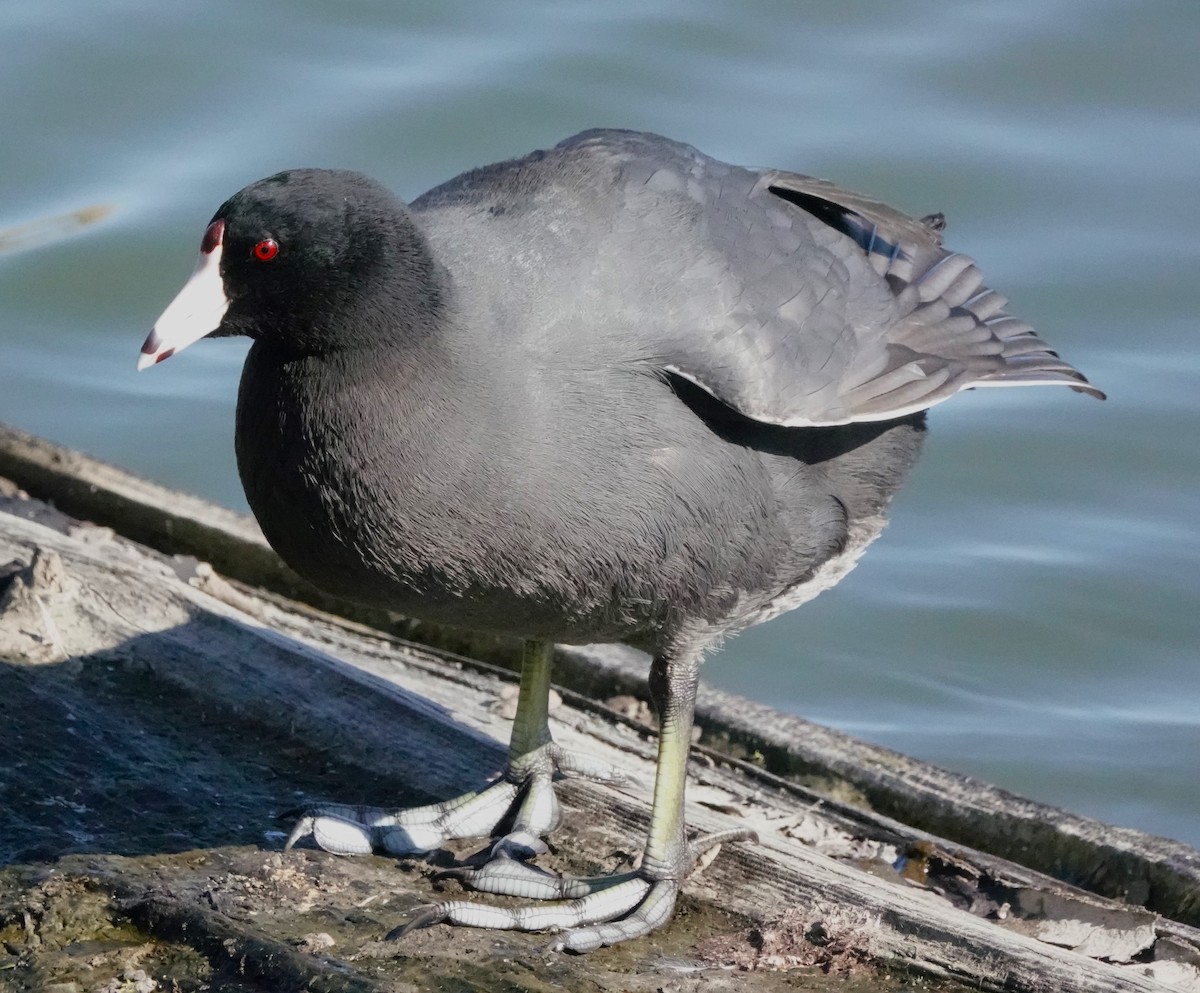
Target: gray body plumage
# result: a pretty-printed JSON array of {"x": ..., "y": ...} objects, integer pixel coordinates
[
  {"x": 653, "y": 398},
  {"x": 615, "y": 391}
]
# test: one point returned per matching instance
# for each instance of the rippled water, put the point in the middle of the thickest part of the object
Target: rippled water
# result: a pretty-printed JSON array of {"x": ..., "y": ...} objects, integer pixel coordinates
[{"x": 1033, "y": 613}]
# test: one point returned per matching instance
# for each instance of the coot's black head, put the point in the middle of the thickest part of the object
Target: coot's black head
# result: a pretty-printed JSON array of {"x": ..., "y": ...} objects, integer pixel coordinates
[{"x": 309, "y": 261}]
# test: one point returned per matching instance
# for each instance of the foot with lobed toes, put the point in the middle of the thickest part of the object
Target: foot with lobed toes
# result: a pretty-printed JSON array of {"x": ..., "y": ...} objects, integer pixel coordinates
[{"x": 592, "y": 910}]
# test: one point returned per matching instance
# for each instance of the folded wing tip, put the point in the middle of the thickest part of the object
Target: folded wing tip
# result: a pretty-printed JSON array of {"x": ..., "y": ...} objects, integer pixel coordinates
[{"x": 1090, "y": 390}]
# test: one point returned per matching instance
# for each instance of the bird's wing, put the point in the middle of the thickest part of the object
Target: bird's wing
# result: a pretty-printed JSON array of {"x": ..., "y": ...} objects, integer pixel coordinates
[
  {"x": 833, "y": 307},
  {"x": 791, "y": 300}
]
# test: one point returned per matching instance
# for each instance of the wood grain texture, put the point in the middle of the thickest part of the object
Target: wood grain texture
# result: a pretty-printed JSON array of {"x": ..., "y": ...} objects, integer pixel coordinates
[{"x": 93, "y": 623}]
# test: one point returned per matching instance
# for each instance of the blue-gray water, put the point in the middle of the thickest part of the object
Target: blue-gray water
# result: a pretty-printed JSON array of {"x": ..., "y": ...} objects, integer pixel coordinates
[{"x": 1032, "y": 614}]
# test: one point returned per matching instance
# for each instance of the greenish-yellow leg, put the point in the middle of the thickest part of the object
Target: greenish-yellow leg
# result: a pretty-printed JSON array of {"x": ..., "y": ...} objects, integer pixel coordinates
[
  {"x": 533, "y": 759},
  {"x": 604, "y": 910}
]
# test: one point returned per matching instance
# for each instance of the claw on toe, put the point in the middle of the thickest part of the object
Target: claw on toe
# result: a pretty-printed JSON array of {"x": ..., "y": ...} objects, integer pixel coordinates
[
  {"x": 332, "y": 832},
  {"x": 301, "y": 829},
  {"x": 347, "y": 830},
  {"x": 423, "y": 918},
  {"x": 520, "y": 846},
  {"x": 706, "y": 842}
]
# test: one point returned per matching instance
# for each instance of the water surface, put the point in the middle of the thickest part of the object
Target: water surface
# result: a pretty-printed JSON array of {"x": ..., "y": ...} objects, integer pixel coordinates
[{"x": 1032, "y": 615}]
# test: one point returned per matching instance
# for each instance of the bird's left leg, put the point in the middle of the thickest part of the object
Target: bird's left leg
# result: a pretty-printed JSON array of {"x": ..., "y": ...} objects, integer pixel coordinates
[
  {"x": 522, "y": 799},
  {"x": 605, "y": 910}
]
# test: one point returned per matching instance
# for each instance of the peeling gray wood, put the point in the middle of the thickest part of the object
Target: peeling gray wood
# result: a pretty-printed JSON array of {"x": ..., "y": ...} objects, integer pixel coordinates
[
  {"x": 1132, "y": 866},
  {"x": 87, "y": 618},
  {"x": 1127, "y": 865}
]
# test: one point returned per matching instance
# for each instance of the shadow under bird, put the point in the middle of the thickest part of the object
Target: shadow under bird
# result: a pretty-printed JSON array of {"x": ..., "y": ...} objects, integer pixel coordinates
[{"x": 613, "y": 391}]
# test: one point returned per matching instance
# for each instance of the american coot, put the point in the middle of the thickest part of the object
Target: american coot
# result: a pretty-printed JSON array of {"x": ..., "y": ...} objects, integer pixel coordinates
[{"x": 613, "y": 391}]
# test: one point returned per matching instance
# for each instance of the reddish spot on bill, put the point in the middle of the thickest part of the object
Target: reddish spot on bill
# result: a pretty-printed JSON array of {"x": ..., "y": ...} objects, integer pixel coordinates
[
  {"x": 165, "y": 355},
  {"x": 212, "y": 237}
]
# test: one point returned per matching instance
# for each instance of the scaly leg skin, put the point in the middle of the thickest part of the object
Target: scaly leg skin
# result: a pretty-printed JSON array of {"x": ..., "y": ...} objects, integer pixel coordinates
[
  {"x": 525, "y": 795},
  {"x": 598, "y": 911}
]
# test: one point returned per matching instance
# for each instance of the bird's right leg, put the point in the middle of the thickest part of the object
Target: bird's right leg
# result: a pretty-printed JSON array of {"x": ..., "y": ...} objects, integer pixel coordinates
[{"x": 522, "y": 799}]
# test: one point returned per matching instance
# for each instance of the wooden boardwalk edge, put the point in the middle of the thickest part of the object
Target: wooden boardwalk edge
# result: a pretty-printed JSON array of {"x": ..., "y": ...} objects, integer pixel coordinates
[
  {"x": 358, "y": 675},
  {"x": 1158, "y": 873}
]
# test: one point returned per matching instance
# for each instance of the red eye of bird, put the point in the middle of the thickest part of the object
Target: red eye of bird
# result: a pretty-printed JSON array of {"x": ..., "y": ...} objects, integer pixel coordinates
[{"x": 266, "y": 250}]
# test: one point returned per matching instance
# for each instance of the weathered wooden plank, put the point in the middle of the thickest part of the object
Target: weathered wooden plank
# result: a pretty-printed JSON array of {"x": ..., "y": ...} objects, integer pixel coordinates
[
  {"x": 97, "y": 618},
  {"x": 1159, "y": 873}
]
